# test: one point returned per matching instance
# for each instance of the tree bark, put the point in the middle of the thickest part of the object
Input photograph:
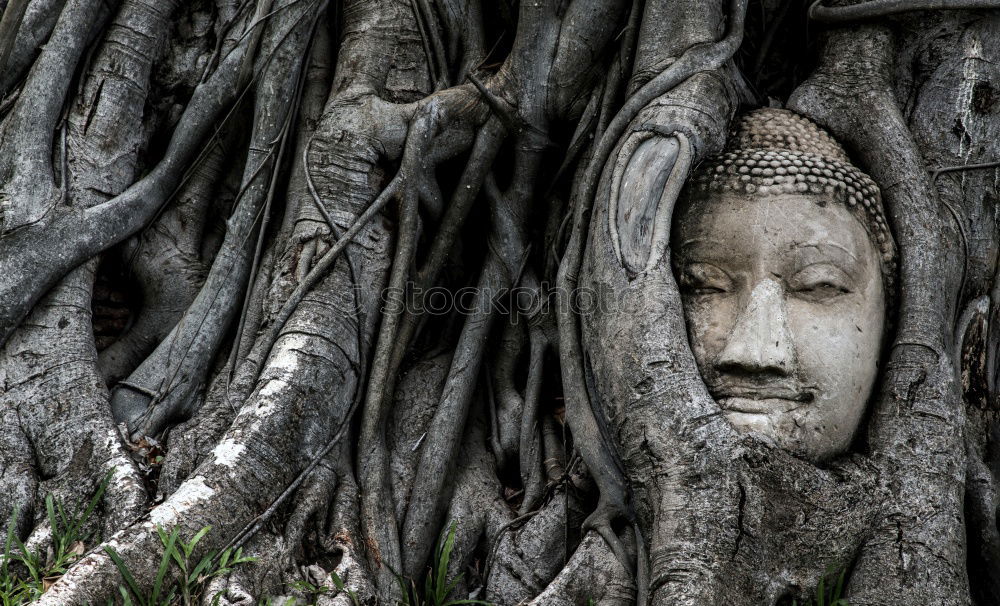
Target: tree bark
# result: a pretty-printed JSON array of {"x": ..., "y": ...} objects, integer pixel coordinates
[{"x": 315, "y": 274}]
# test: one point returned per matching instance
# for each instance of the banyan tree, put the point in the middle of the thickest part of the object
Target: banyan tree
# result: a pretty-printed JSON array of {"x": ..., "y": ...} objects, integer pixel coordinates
[{"x": 615, "y": 301}]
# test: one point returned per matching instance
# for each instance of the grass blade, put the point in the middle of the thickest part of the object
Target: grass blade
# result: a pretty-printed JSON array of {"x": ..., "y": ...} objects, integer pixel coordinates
[
  {"x": 443, "y": 559},
  {"x": 197, "y": 537},
  {"x": 164, "y": 564},
  {"x": 94, "y": 500},
  {"x": 123, "y": 569},
  {"x": 203, "y": 565}
]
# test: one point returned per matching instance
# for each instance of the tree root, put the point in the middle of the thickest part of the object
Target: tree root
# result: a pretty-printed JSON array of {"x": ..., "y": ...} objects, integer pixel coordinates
[
  {"x": 415, "y": 398},
  {"x": 520, "y": 562},
  {"x": 49, "y": 363},
  {"x": 438, "y": 451},
  {"x": 474, "y": 507},
  {"x": 591, "y": 434},
  {"x": 378, "y": 521},
  {"x": 372, "y": 461},
  {"x": 9, "y": 24},
  {"x": 163, "y": 387},
  {"x": 279, "y": 547},
  {"x": 229, "y": 489},
  {"x": 591, "y": 574},
  {"x": 531, "y": 446},
  {"x": 56, "y": 399},
  {"x": 167, "y": 262},
  {"x": 874, "y": 9},
  {"x": 35, "y": 28},
  {"x": 29, "y": 126},
  {"x": 506, "y": 404},
  {"x": 39, "y": 254}
]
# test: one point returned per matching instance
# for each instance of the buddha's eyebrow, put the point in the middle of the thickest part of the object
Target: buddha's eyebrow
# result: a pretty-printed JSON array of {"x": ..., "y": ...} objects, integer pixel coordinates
[
  {"x": 820, "y": 246},
  {"x": 696, "y": 241},
  {"x": 697, "y": 249}
]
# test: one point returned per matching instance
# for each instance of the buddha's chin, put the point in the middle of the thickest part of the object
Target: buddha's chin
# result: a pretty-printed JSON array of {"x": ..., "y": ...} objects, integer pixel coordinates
[
  {"x": 783, "y": 429},
  {"x": 765, "y": 423}
]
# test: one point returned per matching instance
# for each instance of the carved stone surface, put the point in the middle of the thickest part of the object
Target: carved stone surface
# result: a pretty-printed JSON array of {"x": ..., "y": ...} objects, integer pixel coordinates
[{"x": 782, "y": 283}]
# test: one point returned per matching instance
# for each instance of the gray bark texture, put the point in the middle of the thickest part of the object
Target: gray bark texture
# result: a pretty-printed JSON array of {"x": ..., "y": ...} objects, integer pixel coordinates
[{"x": 309, "y": 273}]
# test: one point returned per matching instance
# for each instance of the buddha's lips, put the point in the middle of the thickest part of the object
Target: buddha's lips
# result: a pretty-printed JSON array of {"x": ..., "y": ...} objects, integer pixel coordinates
[{"x": 761, "y": 399}]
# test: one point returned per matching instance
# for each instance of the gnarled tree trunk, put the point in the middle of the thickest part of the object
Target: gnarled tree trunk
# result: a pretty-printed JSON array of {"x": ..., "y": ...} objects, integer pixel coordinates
[{"x": 330, "y": 276}]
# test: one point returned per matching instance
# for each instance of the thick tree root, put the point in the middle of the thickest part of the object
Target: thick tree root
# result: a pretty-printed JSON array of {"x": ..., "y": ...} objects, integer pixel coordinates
[
  {"x": 58, "y": 405},
  {"x": 167, "y": 261},
  {"x": 521, "y": 561},
  {"x": 593, "y": 573},
  {"x": 145, "y": 401},
  {"x": 229, "y": 489},
  {"x": 44, "y": 248},
  {"x": 874, "y": 9},
  {"x": 592, "y": 435},
  {"x": 34, "y": 28}
]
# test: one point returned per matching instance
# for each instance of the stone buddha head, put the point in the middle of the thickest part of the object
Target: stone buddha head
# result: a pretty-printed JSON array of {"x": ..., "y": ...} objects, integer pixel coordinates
[{"x": 785, "y": 265}]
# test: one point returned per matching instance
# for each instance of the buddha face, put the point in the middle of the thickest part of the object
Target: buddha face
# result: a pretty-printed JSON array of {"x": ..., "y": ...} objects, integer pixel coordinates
[{"x": 785, "y": 310}]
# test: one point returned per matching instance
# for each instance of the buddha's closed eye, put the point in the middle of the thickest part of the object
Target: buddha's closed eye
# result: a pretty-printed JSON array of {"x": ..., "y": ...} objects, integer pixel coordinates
[
  {"x": 820, "y": 281},
  {"x": 701, "y": 278}
]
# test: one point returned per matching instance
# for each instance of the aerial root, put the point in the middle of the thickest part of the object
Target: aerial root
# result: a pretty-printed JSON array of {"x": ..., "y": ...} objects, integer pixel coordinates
[
  {"x": 398, "y": 327},
  {"x": 582, "y": 414},
  {"x": 592, "y": 573},
  {"x": 532, "y": 448},
  {"x": 875, "y": 9}
]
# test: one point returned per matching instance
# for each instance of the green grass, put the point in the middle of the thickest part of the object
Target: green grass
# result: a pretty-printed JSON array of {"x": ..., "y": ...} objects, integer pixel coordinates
[
  {"x": 314, "y": 591},
  {"x": 181, "y": 581},
  {"x": 190, "y": 578},
  {"x": 436, "y": 585},
  {"x": 25, "y": 575}
]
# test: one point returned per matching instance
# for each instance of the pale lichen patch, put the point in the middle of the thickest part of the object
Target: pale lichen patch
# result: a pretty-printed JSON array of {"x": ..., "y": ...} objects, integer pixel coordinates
[
  {"x": 228, "y": 453},
  {"x": 173, "y": 510}
]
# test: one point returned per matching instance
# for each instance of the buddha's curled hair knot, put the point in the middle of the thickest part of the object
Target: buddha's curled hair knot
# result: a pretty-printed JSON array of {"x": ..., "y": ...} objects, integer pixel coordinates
[{"x": 775, "y": 151}]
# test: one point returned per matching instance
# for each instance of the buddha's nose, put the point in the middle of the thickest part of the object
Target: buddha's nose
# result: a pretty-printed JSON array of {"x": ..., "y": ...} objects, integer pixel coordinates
[{"x": 760, "y": 340}]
